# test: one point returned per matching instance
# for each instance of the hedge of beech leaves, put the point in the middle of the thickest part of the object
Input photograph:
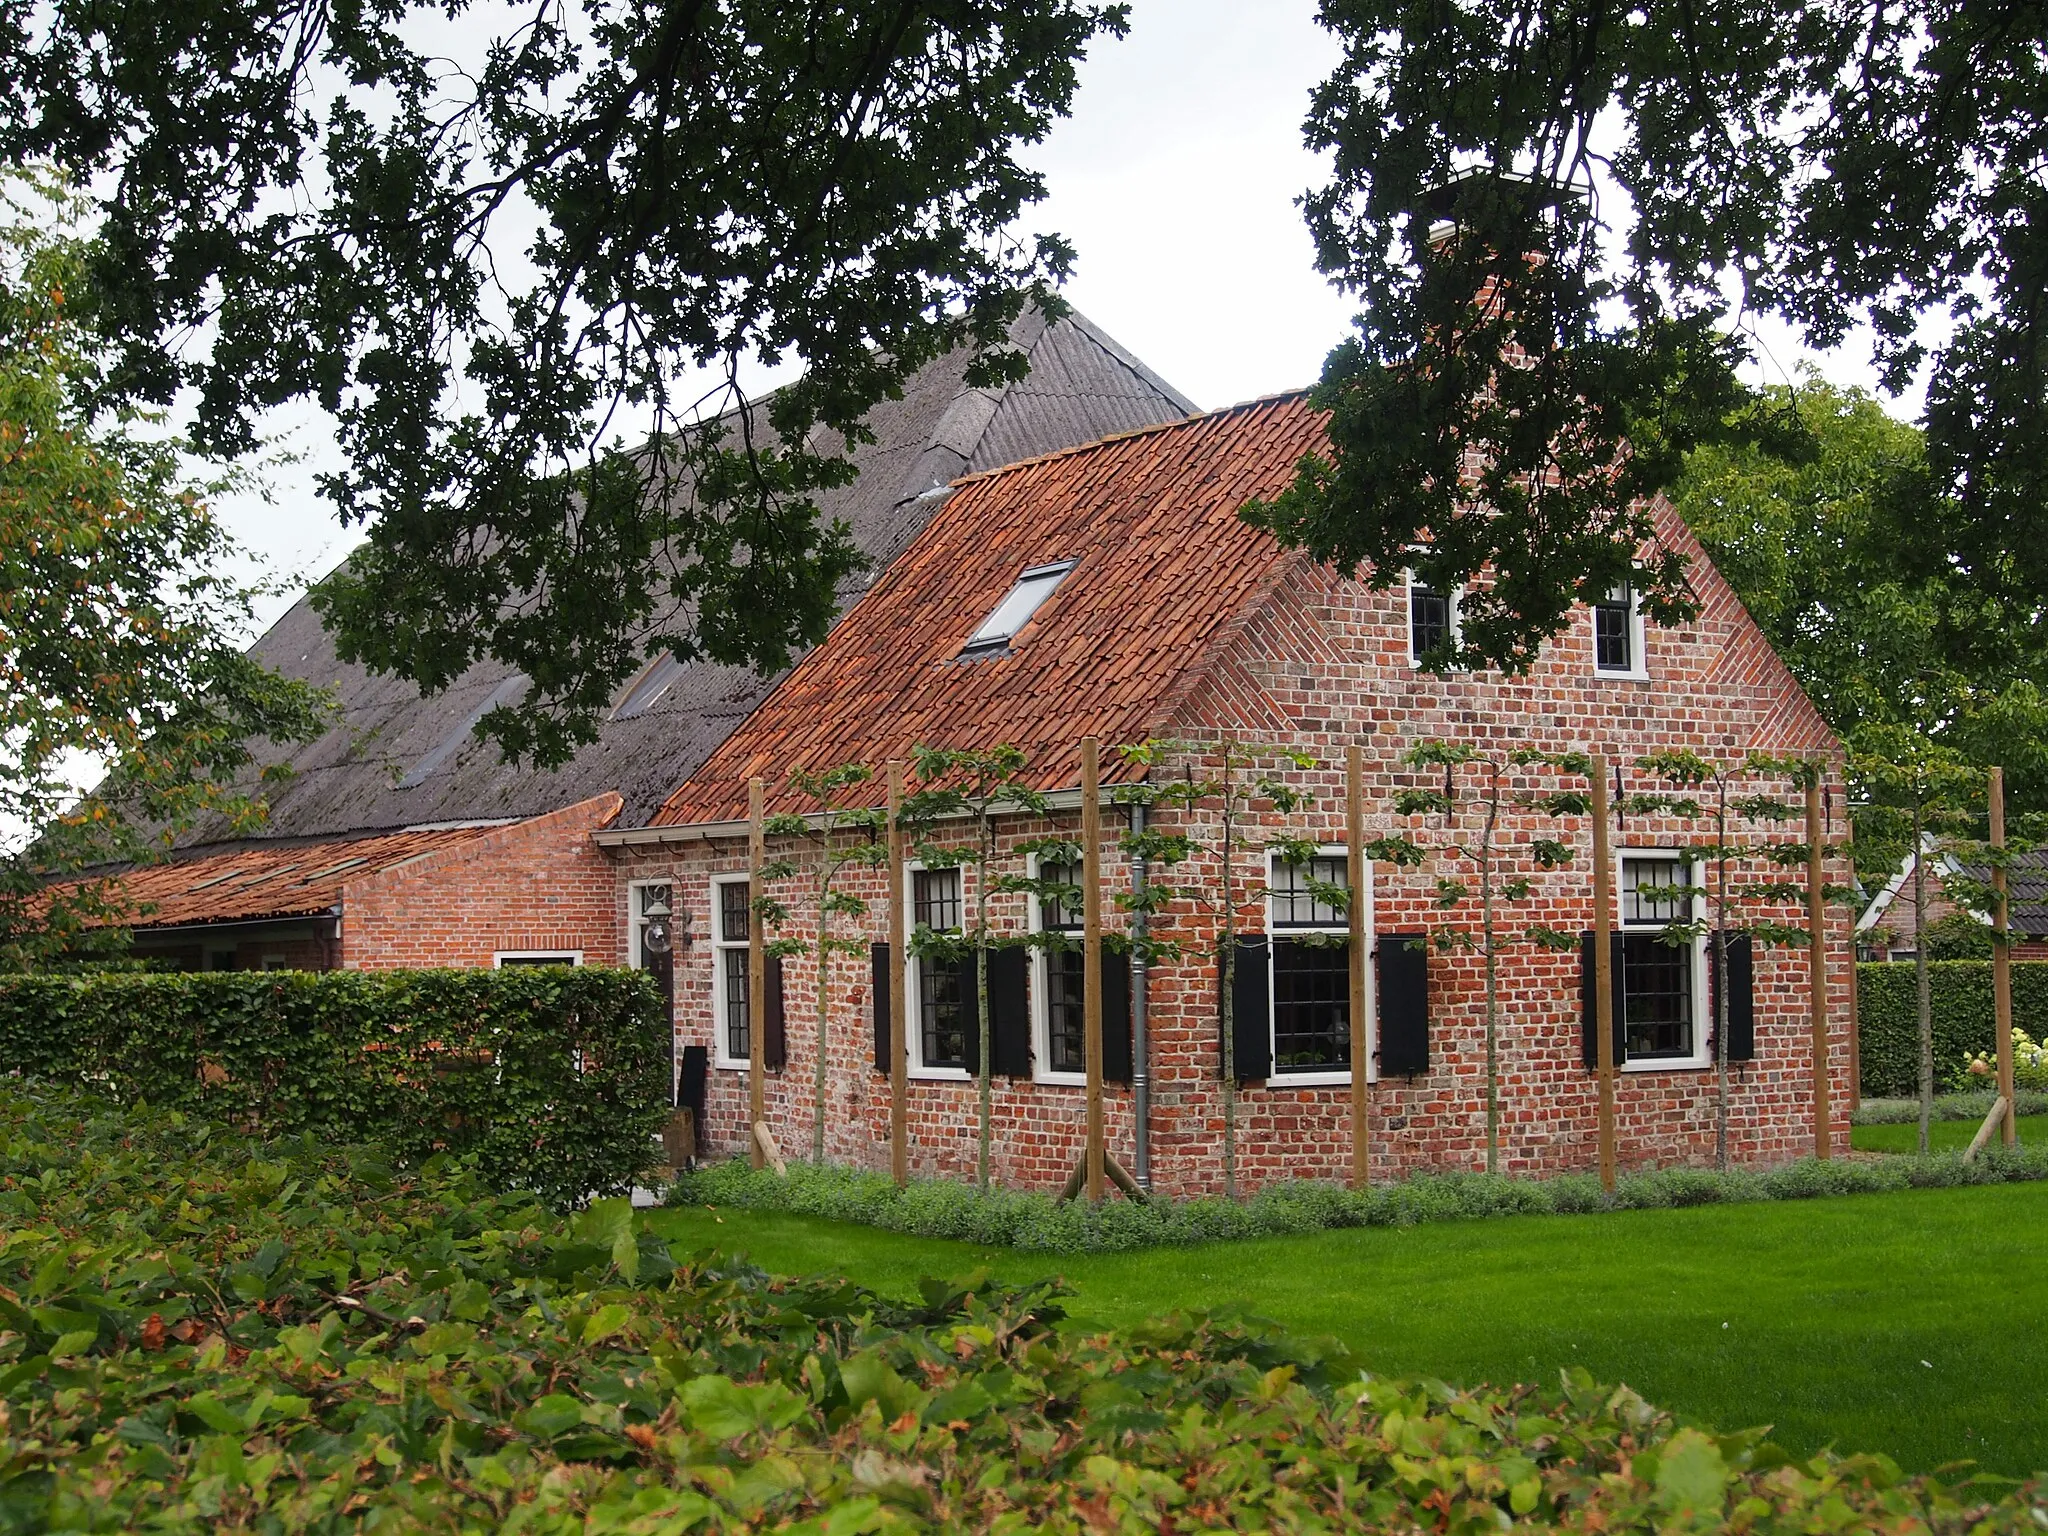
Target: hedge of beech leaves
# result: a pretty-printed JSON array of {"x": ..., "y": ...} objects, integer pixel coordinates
[
  {"x": 552, "y": 1078},
  {"x": 201, "y": 1331},
  {"x": 1887, "y": 1016}
]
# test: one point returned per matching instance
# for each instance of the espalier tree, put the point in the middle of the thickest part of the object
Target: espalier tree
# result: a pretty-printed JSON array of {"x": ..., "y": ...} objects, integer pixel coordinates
[
  {"x": 839, "y": 837},
  {"x": 1701, "y": 789},
  {"x": 1493, "y": 854},
  {"x": 983, "y": 785},
  {"x": 1919, "y": 792},
  {"x": 1236, "y": 790}
]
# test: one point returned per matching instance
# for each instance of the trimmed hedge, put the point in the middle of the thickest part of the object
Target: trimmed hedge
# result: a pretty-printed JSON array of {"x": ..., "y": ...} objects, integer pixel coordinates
[
  {"x": 200, "y": 1332},
  {"x": 552, "y": 1078},
  {"x": 1005, "y": 1218},
  {"x": 1888, "y": 1019},
  {"x": 1947, "y": 1106}
]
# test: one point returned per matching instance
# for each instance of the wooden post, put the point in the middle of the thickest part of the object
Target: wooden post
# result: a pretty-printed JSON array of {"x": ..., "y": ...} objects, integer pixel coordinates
[
  {"x": 1855, "y": 1032},
  {"x": 2001, "y": 958},
  {"x": 1603, "y": 968},
  {"x": 757, "y": 974},
  {"x": 1817, "y": 944},
  {"x": 1091, "y": 956},
  {"x": 1361, "y": 1051},
  {"x": 899, "y": 1004},
  {"x": 1999, "y": 1116}
]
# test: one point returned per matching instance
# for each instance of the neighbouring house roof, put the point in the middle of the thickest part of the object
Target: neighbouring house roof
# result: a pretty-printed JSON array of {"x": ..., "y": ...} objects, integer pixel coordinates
[
  {"x": 275, "y": 877},
  {"x": 2026, "y": 903},
  {"x": 1163, "y": 566},
  {"x": 396, "y": 758}
]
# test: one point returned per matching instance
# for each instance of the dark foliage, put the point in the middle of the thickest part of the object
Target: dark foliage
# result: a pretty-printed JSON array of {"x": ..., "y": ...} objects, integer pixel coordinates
[
  {"x": 489, "y": 247},
  {"x": 1565, "y": 337}
]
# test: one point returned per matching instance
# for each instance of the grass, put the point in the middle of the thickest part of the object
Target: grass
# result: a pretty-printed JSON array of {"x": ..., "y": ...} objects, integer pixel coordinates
[
  {"x": 1941, "y": 1134},
  {"x": 1898, "y": 1323}
]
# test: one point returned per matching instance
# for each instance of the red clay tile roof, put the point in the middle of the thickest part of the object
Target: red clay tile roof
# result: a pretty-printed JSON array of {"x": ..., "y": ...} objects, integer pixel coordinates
[
  {"x": 273, "y": 880},
  {"x": 1164, "y": 564}
]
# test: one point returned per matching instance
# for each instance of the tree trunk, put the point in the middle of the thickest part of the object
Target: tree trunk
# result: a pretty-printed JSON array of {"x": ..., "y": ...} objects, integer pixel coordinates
[
  {"x": 1922, "y": 996},
  {"x": 1492, "y": 983},
  {"x": 1721, "y": 975},
  {"x": 1229, "y": 942},
  {"x": 981, "y": 997},
  {"x": 824, "y": 1003}
]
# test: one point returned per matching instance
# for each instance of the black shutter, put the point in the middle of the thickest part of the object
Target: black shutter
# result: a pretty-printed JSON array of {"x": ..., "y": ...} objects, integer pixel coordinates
[
  {"x": 878, "y": 989},
  {"x": 970, "y": 1006},
  {"x": 1741, "y": 995},
  {"x": 1009, "y": 1011},
  {"x": 1403, "y": 995},
  {"x": 1251, "y": 1008},
  {"x": 774, "y": 1034},
  {"x": 696, "y": 1067},
  {"x": 1116, "y": 1016},
  {"x": 1589, "y": 1051}
]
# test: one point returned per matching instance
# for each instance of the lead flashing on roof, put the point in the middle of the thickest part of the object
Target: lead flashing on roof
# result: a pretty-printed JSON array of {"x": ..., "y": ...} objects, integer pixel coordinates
[{"x": 713, "y": 831}]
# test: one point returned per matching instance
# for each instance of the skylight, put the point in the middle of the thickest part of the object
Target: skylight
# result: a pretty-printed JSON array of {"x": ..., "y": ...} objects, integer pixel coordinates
[
  {"x": 646, "y": 690},
  {"x": 1016, "y": 609}
]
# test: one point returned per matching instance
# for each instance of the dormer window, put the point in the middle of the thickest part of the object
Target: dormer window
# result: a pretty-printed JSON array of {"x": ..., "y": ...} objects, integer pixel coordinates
[{"x": 1018, "y": 605}]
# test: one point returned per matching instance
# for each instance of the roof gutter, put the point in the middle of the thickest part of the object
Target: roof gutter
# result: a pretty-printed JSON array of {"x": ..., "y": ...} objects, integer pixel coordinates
[{"x": 316, "y": 915}]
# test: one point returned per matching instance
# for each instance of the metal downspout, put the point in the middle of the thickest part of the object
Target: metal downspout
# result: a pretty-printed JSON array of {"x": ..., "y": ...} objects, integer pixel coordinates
[{"x": 1141, "y": 1043}]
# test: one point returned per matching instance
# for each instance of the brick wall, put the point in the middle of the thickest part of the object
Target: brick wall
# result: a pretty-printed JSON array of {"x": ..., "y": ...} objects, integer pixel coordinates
[
  {"x": 1322, "y": 663},
  {"x": 536, "y": 885}
]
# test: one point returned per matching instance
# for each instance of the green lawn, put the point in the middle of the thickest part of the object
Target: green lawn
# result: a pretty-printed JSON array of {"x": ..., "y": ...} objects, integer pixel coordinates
[
  {"x": 1905, "y": 1323},
  {"x": 1942, "y": 1133}
]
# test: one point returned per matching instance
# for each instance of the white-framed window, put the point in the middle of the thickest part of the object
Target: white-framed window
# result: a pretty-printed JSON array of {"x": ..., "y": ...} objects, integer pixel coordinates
[
  {"x": 1618, "y": 635},
  {"x": 1432, "y": 618},
  {"x": 640, "y": 896},
  {"x": 505, "y": 957},
  {"x": 731, "y": 933},
  {"x": 1663, "y": 986},
  {"x": 1023, "y": 600},
  {"x": 940, "y": 991},
  {"x": 1309, "y": 978},
  {"x": 1058, "y": 1046}
]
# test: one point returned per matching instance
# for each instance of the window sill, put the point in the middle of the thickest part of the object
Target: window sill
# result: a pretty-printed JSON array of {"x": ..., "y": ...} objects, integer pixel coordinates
[
  {"x": 1063, "y": 1079},
  {"x": 939, "y": 1074},
  {"x": 1310, "y": 1079},
  {"x": 1635, "y": 675},
  {"x": 733, "y": 1066},
  {"x": 1668, "y": 1064}
]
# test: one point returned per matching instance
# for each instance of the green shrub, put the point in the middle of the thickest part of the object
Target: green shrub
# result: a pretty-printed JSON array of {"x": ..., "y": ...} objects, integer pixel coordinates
[
  {"x": 1000, "y": 1218},
  {"x": 1887, "y": 1018},
  {"x": 1958, "y": 936},
  {"x": 200, "y": 1332},
  {"x": 552, "y": 1078}
]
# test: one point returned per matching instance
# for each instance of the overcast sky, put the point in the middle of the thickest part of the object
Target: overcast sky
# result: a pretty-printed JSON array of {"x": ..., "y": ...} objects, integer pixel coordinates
[{"x": 1175, "y": 179}]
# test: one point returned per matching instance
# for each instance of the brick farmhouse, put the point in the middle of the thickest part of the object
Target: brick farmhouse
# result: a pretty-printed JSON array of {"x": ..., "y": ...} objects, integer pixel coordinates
[
  {"x": 1033, "y": 582},
  {"x": 1158, "y": 613}
]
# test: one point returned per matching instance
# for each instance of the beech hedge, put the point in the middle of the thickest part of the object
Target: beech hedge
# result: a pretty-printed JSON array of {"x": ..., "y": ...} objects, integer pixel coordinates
[
  {"x": 550, "y": 1078},
  {"x": 1888, "y": 1019},
  {"x": 201, "y": 1332}
]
